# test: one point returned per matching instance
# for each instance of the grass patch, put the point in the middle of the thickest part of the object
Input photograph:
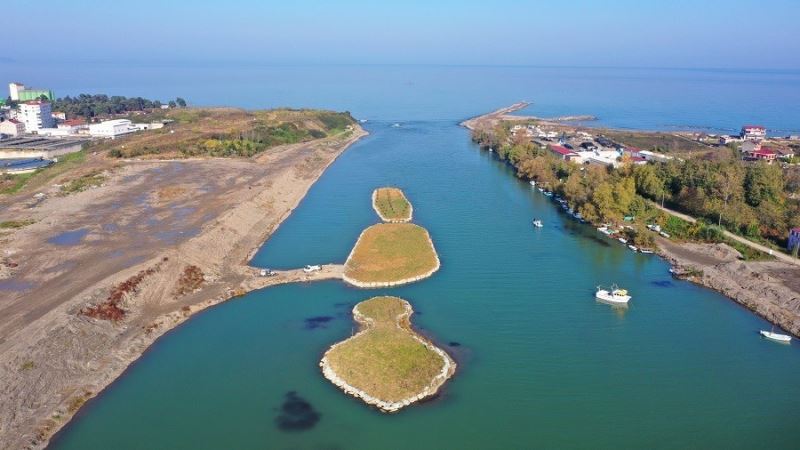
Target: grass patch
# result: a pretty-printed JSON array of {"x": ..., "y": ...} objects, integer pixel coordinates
[
  {"x": 386, "y": 361},
  {"x": 391, "y": 204},
  {"x": 14, "y": 224},
  {"x": 390, "y": 252},
  {"x": 92, "y": 179}
]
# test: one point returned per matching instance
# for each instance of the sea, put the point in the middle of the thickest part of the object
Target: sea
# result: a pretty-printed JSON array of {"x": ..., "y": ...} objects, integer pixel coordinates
[{"x": 541, "y": 364}]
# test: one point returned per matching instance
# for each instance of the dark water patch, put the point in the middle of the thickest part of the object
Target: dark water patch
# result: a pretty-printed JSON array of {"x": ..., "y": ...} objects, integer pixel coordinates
[
  {"x": 9, "y": 285},
  {"x": 663, "y": 283},
  {"x": 69, "y": 237},
  {"x": 454, "y": 344},
  {"x": 296, "y": 414},
  {"x": 312, "y": 323}
]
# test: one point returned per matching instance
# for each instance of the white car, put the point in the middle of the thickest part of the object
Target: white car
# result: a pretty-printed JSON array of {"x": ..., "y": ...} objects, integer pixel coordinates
[{"x": 309, "y": 269}]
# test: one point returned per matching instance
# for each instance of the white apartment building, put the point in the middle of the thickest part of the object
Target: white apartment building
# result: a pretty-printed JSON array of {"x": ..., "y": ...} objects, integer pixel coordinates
[
  {"x": 112, "y": 128},
  {"x": 36, "y": 115},
  {"x": 12, "y": 127},
  {"x": 13, "y": 90}
]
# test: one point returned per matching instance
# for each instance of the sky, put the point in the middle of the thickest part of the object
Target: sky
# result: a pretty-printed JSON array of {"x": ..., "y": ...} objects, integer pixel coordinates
[{"x": 759, "y": 34}]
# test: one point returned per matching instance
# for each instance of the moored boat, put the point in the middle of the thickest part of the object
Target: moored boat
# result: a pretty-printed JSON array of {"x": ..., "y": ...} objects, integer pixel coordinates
[
  {"x": 777, "y": 337},
  {"x": 633, "y": 247},
  {"x": 537, "y": 223}
]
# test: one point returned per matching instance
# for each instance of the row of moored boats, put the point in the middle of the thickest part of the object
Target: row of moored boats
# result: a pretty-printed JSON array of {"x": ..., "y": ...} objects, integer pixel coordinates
[{"x": 616, "y": 295}]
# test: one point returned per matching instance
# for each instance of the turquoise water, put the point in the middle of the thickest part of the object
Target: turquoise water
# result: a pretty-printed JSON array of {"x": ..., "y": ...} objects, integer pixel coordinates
[{"x": 541, "y": 364}]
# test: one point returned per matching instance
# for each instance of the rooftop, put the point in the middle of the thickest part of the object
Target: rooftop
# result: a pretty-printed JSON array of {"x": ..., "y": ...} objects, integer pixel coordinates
[{"x": 562, "y": 150}]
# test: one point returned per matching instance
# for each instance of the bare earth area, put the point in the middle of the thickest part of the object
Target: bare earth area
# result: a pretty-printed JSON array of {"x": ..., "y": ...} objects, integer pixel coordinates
[
  {"x": 103, "y": 273},
  {"x": 771, "y": 289}
]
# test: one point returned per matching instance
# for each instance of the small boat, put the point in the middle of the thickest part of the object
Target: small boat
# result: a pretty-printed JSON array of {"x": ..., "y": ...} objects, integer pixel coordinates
[
  {"x": 397, "y": 125},
  {"x": 777, "y": 337},
  {"x": 614, "y": 295},
  {"x": 538, "y": 223},
  {"x": 548, "y": 193},
  {"x": 623, "y": 240},
  {"x": 533, "y": 183},
  {"x": 663, "y": 234},
  {"x": 607, "y": 231},
  {"x": 602, "y": 229},
  {"x": 646, "y": 251},
  {"x": 541, "y": 189},
  {"x": 633, "y": 247}
]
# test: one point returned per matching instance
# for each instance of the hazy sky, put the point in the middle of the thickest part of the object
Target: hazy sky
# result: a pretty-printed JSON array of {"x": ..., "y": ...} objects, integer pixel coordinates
[{"x": 642, "y": 33}]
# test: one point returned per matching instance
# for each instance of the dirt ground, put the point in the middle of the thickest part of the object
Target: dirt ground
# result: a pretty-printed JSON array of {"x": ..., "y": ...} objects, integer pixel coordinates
[
  {"x": 157, "y": 242},
  {"x": 771, "y": 289}
]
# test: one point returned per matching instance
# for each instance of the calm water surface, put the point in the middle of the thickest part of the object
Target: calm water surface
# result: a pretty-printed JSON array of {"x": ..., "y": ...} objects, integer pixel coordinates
[{"x": 541, "y": 364}]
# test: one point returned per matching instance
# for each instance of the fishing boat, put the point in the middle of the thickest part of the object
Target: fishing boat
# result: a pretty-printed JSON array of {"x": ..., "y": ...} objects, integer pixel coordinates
[
  {"x": 633, "y": 247},
  {"x": 614, "y": 295},
  {"x": 623, "y": 240},
  {"x": 538, "y": 223},
  {"x": 777, "y": 337}
]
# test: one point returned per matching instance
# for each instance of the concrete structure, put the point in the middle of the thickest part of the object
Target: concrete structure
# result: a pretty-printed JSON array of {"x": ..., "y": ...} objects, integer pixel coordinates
[
  {"x": 12, "y": 127},
  {"x": 753, "y": 132},
  {"x": 20, "y": 166},
  {"x": 39, "y": 147},
  {"x": 13, "y": 90},
  {"x": 653, "y": 156},
  {"x": 35, "y": 115},
  {"x": 112, "y": 128},
  {"x": 18, "y": 92},
  {"x": 794, "y": 238}
]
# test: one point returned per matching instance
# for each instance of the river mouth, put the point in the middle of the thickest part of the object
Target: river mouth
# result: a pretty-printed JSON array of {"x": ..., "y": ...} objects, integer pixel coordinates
[{"x": 543, "y": 355}]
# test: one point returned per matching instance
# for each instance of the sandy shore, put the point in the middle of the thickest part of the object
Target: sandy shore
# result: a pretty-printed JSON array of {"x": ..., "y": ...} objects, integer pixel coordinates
[{"x": 154, "y": 222}]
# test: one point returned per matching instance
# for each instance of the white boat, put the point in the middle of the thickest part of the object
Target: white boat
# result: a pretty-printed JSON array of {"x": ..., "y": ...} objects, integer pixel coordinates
[
  {"x": 646, "y": 251},
  {"x": 397, "y": 125},
  {"x": 548, "y": 193},
  {"x": 623, "y": 240},
  {"x": 533, "y": 183},
  {"x": 541, "y": 189},
  {"x": 663, "y": 234},
  {"x": 777, "y": 337},
  {"x": 614, "y": 295},
  {"x": 633, "y": 247},
  {"x": 538, "y": 223},
  {"x": 602, "y": 229},
  {"x": 309, "y": 269}
]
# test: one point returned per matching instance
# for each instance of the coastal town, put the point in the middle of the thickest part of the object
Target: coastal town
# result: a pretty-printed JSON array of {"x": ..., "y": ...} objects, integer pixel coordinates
[{"x": 33, "y": 135}]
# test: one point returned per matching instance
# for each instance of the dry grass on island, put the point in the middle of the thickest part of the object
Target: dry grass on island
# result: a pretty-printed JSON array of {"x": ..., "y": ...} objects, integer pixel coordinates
[
  {"x": 389, "y": 254},
  {"x": 387, "y": 364},
  {"x": 391, "y": 205}
]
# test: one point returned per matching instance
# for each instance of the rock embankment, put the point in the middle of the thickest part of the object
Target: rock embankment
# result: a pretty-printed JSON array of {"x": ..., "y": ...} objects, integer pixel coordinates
[{"x": 771, "y": 289}]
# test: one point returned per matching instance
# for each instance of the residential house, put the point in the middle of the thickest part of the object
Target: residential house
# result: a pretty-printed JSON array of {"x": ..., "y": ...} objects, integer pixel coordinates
[
  {"x": 12, "y": 127},
  {"x": 562, "y": 152}
]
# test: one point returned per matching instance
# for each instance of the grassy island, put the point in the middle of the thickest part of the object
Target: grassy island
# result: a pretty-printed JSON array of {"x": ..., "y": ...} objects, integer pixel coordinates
[
  {"x": 386, "y": 363},
  {"x": 389, "y": 254},
  {"x": 391, "y": 205}
]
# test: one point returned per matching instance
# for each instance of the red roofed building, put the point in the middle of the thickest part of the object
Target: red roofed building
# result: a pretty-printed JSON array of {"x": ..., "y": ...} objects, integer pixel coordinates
[
  {"x": 12, "y": 127},
  {"x": 765, "y": 154},
  {"x": 794, "y": 238},
  {"x": 562, "y": 152},
  {"x": 753, "y": 132}
]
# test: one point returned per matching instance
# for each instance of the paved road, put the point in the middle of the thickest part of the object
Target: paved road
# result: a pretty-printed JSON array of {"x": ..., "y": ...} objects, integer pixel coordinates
[{"x": 728, "y": 234}]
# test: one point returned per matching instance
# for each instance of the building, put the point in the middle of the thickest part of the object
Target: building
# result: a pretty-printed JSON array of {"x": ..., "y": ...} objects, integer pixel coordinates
[
  {"x": 794, "y": 238},
  {"x": 762, "y": 154},
  {"x": 753, "y": 132},
  {"x": 12, "y": 127},
  {"x": 59, "y": 115},
  {"x": 35, "y": 115},
  {"x": 112, "y": 128},
  {"x": 18, "y": 92},
  {"x": 562, "y": 152}
]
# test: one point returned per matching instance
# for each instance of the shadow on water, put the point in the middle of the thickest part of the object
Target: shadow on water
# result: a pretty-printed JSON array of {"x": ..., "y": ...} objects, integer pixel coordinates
[
  {"x": 663, "y": 283},
  {"x": 313, "y": 323},
  {"x": 296, "y": 414}
]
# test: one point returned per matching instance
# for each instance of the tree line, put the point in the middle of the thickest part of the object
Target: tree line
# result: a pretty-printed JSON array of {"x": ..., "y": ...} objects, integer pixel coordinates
[
  {"x": 89, "y": 106},
  {"x": 758, "y": 200}
]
